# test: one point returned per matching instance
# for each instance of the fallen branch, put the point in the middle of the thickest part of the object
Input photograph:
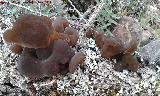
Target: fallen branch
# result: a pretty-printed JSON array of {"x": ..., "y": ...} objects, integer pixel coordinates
[
  {"x": 95, "y": 13},
  {"x": 80, "y": 15},
  {"x": 26, "y": 8}
]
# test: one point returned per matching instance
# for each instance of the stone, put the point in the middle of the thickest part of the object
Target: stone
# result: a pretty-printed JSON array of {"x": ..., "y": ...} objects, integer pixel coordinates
[{"x": 151, "y": 52}]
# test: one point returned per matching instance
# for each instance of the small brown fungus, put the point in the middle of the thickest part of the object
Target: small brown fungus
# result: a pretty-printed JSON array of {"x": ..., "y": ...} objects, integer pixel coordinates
[
  {"x": 29, "y": 65},
  {"x": 44, "y": 48},
  {"x": 61, "y": 52},
  {"x": 121, "y": 45},
  {"x": 127, "y": 61},
  {"x": 78, "y": 58},
  {"x": 44, "y": 53},
  {"x": 60, "y": 24},
  {"x": 73, "y": 35},
  {"x": 48, "y": 64},
  {"x": 16, "y": 49},
  {"x": 128, "y": 32},
  {"x": 50, "y": 67},
  {"x": 111, "y": 48},
  {"x": 65, "y": 37},
  {"x": 9, "y": 36},
  {"x": 30, "y": 31},
  {"x": 99, "y": 39}
]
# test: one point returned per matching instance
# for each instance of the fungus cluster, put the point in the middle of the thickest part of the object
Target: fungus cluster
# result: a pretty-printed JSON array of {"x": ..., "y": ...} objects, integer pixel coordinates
[
  {"x": 45, "y": 47},
  {"x": 120, "y": 46}
]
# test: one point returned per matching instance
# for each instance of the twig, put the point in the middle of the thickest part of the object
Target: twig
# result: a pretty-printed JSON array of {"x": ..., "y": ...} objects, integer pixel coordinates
[
  {"x": 25, "y": 8},
  {"x": 95, "y": 13},
  {"x": 49, "y": 83},
  {"x": 88, "y": 11},
  {"x": 39, "y": 6},
  {"x": 93, "y": 16},
  {"x": 80, "y": 15}
]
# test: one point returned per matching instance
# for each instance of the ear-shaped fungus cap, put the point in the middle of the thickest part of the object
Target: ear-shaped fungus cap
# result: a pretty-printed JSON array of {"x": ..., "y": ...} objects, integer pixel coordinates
[
  {"x": 29, "y": 65},
  {"x": 59, "y": 58},
  {"x": 16, "y": 49},
  {"x": 61, "y": 52},
  {"x": 9, "y": 36},
  {"x": 78, "y": 58},
  {"x": 30, "y": 31},
  {"x": 44, "y": 53},
  {"x": 60, "y": 24},
  {"x": 132, "y": 47},
  {"x": 99, "y": 39},
  {"x": 111, "y": 47},
  {"x": 127, "y": 61},
  {"x": 129, "y": 32},
  {"x": 50, "y": 67},
  {"x": 73, "y": 35}
]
